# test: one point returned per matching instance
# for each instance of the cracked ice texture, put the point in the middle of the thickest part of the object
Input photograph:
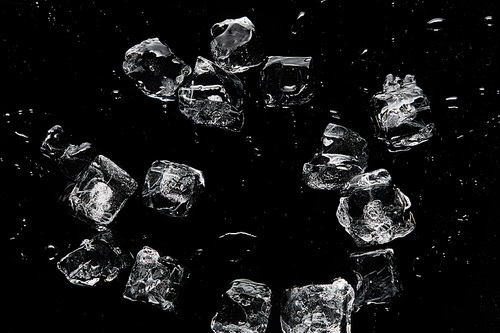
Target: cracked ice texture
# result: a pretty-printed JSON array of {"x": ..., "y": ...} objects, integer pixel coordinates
[
  {"x": 155, "y": 70},
  {"x": 377, "y": 277},
  {"x": 373, "y": 211},
  {"x": 212, "y": 97},
  {"x": 97, "y": 260},
  {"x": 235, "y": 46},
  {"x": 245, "y": 308},
  {"x": 321, "y": 308},
  {"x": 286, "y": 81},
  {"x": 156, "y": 280},
  {"x": 343, "y": 154},
  {"x": 71, "y": 159},
  {"x": 401, "y": 112},
  {"x": 100, "y": 192},
  {"x": 171, "y": 188}
]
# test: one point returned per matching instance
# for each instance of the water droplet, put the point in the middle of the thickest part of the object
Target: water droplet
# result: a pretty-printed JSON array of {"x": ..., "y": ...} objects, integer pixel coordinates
[
  {"x": 298, "y": 26},
  {"x": 488, "y": 20}
]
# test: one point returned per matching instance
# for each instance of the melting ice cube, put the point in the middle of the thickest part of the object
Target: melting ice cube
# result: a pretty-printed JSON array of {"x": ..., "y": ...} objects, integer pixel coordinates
[
  {"x": 378, "y": 281},
  {"x": 96, "y": 260},
  {"x": 245, "y": 308},
  {"x": 373, "y": 211},
  {"x": 212, "y": 97},
  {"x": 155, "y": 70},
  {"x": 71, "y": 159},
  {"x": 401, "y": 112},
  {"x": 100, "y": 193},
  {"x": 235, "y": 46},
  {"x": 343, "y": 154},
  {"x": 324, "y": 308},
  {"x": 156, "y": 280},
  {"x": 171, "y": 188},
  {"x": 286, "y": 81}
]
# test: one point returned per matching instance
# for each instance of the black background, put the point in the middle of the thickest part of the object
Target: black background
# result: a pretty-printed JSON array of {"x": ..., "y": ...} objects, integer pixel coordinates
[{"x": 61, "y": 64}]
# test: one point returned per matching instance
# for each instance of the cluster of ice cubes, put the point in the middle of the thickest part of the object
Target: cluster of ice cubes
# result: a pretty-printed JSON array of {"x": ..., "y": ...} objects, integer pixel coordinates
[
  {"x": 212, "y": 94},
  {"x": 97, "y": 191}
]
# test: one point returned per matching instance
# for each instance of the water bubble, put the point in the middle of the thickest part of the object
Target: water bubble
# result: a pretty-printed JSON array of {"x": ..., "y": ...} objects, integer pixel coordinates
[
  {"x": 435, "y": 24},
  {"x": 51, "y": 251}
]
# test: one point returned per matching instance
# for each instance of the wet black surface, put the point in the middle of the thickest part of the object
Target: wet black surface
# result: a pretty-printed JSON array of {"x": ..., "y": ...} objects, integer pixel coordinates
[{"x": 62, "y": 65}]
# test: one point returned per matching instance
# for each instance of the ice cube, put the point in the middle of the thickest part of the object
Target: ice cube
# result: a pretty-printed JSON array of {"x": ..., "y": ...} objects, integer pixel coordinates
[
  {"x": 378, "y": 280},
  {"x": 155, "y": 70},
  {"x": 171, "y": 188},
  {"x": 245, "y": 308},
  {"x": 235, "y": 46},
  {"x": 324, "y": 308},
  {"x": 373, "y": 211},
  {"x": 71, "y": 159},
  {"x": 156, "y": 280},
  {"x": 343, "y": 154},
  {"x": 212, "y": 97},
  {"x": 100, "y": 193},
  {"x": 401, "y": 114},
  {"x": 286, "y": 81},
  {"x": 97, "y": 260}
]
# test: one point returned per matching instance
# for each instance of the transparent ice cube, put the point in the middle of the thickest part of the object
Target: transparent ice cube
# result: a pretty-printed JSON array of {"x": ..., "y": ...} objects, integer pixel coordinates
[
  {"x": 100, "y": 192},
  {"x": 156, "y": 280},
  {"x": 235, "y": 46},
  {"x": 343, "y": 154},
  {"x": 171, "y": 188},
  {"x": 71, "y": 159},
  {"x": 245, "y": 308},
  {"x": 320, "y": 308},
  {"x": 402, "y": 114},
  {"x": 378, "y": 280},
  {"x": 97, "y": 260},
  {"x": 286, "y": 81},
  {"x": 373, "y": 211},
  {"x": 155, "y": 70},
  {"x": 212, "y": 97}
]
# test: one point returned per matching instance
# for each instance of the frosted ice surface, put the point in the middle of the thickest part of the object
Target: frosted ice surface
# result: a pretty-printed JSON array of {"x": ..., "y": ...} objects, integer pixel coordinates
[
  {"x": 100, "y": 192},
  {"x": 286, "y": 81},
  {"x": 156, "y": 280},
  {"x": 97, "y": 260},
  {"x": 321, "y": 308},
  {"x": 401, "y": 114},
  {"x": 171, "y": 188},
  {"x": 377, "y": 277},
  {"x": 212, "y": 97},
  {"x": 71, "y": 159},
  {"x": 373, "y": 211},
  {"x": 245, "y": 308},
  {"x": 343, "y": 154},
  {"x": 155, "y": 70},
  {"x": 235, "y": 46}
]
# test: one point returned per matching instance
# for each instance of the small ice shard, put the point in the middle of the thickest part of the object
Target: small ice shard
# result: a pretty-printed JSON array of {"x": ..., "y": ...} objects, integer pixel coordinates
[
  {"x": 155, "y": 70},
  {"x": 97, "y": 260},
  {"x": 212, "y": 97},
  {"x": 245, "y": 308},
  {"x": 171, "y": 188},
  {"x": 401, "y": 114},
  {"x": 156, "y": 280},
  {"x": 343, "y": 154},
  {"x": 378, "y": 280},
  {"x": 100, "y": 192},
  {"x": 286, "y": 81},
  {"x": 373, "y": 211},
  {"x": 71, "y": 159},
  {"x": 321, "y": 308},
  {"x": 235, "y": 46}
]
